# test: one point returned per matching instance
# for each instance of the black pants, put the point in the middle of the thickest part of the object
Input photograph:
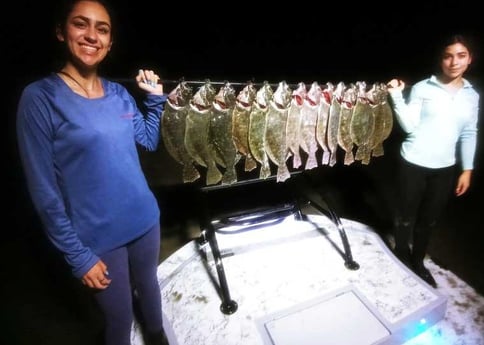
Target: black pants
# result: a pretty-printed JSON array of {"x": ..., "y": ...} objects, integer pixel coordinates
[{"x": 423, "y": 195}]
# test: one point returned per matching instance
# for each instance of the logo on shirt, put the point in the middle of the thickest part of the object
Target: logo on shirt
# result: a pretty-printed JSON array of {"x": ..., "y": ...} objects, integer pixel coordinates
[{"x": 127, "y": 116}]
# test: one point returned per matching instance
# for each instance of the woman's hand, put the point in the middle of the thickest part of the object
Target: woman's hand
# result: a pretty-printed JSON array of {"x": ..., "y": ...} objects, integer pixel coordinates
[
  {"x": 97, "y": 276},
  {"x": 395, "y": 85},
  {"x": 463, "y": 182},
  {"x": 149, "y": 81}
]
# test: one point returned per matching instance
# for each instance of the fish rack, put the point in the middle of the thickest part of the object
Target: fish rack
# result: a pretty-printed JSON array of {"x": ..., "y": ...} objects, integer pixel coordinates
[
  {"x": 210, "y": 224},
  {"x": 251, "y": 219}
]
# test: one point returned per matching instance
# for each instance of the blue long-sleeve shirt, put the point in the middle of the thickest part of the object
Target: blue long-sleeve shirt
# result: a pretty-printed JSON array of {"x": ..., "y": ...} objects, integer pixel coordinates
[
  {"x": 82, "y": 167},
  {"x": 435, "y": 120}
]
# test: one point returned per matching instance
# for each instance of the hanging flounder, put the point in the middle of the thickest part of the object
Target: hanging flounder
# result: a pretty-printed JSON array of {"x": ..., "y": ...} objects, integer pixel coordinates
[
  {"x": 386, "y": 115},
  {"x": 322, "y": 122},
  {"x": 373, "y": 100},
  {"x": 309, "y": 119},
  {"x": 346, "y": 112},
  {"x": 275, "y": 138},
  {"x": 293, "y": 127},
  {"x": 257, "y": 128},
  {"x": 197, "y": 131},
  {"x": 220, "y": 140},
  {"x": 173, "y": 129},
  {"x": 333, "y": 122},
  {"x": 240, "y": 124},
  {"x": 362, "y": 127}
]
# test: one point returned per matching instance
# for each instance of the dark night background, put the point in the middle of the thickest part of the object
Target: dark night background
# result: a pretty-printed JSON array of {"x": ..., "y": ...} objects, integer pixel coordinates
[{"x": 237, "y": 41}]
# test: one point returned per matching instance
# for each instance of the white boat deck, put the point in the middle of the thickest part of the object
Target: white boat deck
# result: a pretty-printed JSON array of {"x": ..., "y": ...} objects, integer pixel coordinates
[{"x": 291, "y": 286}]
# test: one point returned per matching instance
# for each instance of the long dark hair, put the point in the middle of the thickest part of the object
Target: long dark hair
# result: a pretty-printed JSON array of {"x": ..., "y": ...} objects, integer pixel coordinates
[
  {"x": 65, "y": 8},
  {"x": 465, "y": 40}
]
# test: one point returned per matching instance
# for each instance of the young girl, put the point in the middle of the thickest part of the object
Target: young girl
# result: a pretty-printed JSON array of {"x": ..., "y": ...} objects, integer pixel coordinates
[
  {"x": 77, "y": 135},
  {"x": 440, "y": 121}
]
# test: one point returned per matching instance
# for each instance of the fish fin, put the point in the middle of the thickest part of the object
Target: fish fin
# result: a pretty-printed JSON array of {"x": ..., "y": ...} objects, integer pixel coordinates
[
  {"x": 325, "y": 158},
  {"x": 213, "y": 174},
  {"x": 311, "y": 162},
  {"x": 378, "y": 150},
  {"x": 349, "y": 158},
  {"x": 190, "y": 173},
  {"x": 250, "y": 163}
]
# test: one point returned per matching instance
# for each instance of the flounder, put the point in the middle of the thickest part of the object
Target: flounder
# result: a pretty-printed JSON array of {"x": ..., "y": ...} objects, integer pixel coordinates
[
  {"x": 346, "y": 112},
  {"x": 362, "y": 124},
  {"x": 257, "y": 128},
  {"x": 197, "y": 131},
  {"x": 333, "y": 121},
  {"x": 322, "y": 123},
  {"x": 275, "y": 137},
  {"x": 240, "y": 124},
  {"x": 309, "y": 119},
  {"x": 220, "y": 140},
  {"x": 386, "y": 117},
  {"x": 173, "y": 129},
  {"x": 293, "y": 127}
]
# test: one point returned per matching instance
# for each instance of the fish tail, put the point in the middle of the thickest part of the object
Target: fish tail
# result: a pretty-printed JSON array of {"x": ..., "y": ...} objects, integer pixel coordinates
[
  {"x": 190, "y": 173},
  {"x": 366, "y": 155},
  {"x": 229, "y": 176},
  {"x": 296, "y": 160},
  {"x": 213, "y": 174},
  {"x": 349, "y": 158},
  {"x": 332, "y": 158},
  {"x": 265, "y": 170},
  {"x": 378, "y": 150},
  {"x": 250, "y": 163},
  {"x": 282, "y": 173},
  {"x": 360, "y": 154},
  {"x": 311, "y": 162},
  {"x": 325, "y": 158}
]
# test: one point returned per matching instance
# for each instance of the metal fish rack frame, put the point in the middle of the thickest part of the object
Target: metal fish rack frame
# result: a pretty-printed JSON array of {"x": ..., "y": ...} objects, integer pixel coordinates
[{"x": 231, "y": 134}]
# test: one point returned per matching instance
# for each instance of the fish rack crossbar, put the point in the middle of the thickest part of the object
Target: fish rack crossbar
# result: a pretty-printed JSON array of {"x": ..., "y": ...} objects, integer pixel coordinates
[
  {"x": 252, "y": 219},
  {"x": 174, "y": 82},
  {"x": 201, "y": 82}
]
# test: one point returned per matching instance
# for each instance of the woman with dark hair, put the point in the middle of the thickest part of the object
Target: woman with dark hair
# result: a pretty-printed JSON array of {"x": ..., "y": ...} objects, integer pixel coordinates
[
  {"x": 77, "y": 135},
  {"x": 439, "y": 119}
]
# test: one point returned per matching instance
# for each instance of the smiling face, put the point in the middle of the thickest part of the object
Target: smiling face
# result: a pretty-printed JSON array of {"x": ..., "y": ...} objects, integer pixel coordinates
[
  {"x": 87, "y": 34},
  {"x": 455, "y": 60}
]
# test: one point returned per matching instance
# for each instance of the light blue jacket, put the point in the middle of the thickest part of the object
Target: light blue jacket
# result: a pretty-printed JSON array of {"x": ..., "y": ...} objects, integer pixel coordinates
[{"x": 435, "y": 122}]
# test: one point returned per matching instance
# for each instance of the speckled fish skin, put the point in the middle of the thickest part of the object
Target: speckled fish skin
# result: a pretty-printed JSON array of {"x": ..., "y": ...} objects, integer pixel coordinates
[
  {"x": 333, "y": 122},
  {"x": 275, "y": 137},
  {"x": 257, "y": 128},
  {"x": 240, "y": 124},
  {"x": 362, "y": 124},
  {"x": 309, "y": 119},
  {"x": 346, "y": 112},
  {"x": 373, "y": 100},
  {"x": 197, "y": 131},
  {"x": 173, "y": 129},
  {"x": 293, "y": 127},
  {"x": 220, "y": 140},
  {"x": 374, "y": 103},
  {"x": 387, "y": 119},
  {"x": 322, "y": 122}
]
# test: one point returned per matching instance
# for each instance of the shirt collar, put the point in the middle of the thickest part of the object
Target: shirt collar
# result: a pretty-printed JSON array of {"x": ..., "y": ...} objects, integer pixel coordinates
[{"x": 435, "y": 80}]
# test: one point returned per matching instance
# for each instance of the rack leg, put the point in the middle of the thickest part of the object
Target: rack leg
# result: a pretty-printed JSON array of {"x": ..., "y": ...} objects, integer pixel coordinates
[
  {"x": 309, "y": 195},
  {"x": 228, "y": 305}
]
